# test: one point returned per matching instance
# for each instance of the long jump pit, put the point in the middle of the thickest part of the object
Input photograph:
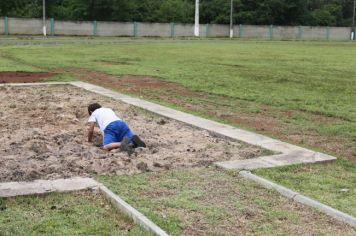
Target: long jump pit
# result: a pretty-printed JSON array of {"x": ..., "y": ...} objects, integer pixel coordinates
[{"x": 43, "y": 135}]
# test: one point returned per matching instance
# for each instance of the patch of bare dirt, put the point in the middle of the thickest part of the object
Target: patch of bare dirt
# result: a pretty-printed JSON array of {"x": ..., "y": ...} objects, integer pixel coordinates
[
  {"x": 133, "y": 83},
  {"x": 43, "y": 136},
  {"x": 23, "y": 77}
]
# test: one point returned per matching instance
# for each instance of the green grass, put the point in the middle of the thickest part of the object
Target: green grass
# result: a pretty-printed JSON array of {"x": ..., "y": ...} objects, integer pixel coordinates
[
  {"x": 10, "y": 65},
  {"x": 333, "y": 184},
  {"x": 215, "y": 202},
  {"x": 81, "y": 213},
  {"x": 314, "y": 80}
]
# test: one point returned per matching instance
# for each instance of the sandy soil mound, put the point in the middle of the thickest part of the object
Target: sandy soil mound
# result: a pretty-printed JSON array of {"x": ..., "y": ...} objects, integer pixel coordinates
[{"x": 43, "y": 135}]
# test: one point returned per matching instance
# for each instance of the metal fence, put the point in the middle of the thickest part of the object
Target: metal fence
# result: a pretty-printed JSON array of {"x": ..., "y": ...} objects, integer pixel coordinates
[{"x": 26, "y": 26}]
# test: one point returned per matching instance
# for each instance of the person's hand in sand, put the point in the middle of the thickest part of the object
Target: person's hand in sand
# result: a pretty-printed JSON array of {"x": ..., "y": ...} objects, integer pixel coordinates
[{"x": 116, "y": 133}]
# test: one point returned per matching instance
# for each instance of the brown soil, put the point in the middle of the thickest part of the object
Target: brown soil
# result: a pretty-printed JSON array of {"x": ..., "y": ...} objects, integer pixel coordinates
[
  {"x": 268, "y": 120},
  {"x": 43, "y": 136},
  {"x": 23, "y": 77}
]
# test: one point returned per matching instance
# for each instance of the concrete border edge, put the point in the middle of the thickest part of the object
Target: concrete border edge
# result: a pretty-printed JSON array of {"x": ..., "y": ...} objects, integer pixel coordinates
[
  {"x": 297, "y": 197},
  {"x": 138, "y": 217},
  {"x": 268, "y": 184}
]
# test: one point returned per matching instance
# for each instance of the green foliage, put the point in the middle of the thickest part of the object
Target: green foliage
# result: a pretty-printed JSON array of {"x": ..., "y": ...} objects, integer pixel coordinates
[
  {"x": 175, "y": 11},
  {"x": 329, "y": 14},
  {"x": 278, "y": 12}
]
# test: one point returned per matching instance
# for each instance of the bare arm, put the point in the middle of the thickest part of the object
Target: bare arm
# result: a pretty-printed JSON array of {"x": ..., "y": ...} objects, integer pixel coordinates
[{"x": 91, "y": 131}]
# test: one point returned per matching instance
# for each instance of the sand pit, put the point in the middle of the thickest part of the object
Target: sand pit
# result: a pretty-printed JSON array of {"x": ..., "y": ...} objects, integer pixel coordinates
[{"x": 43, "y": 136}]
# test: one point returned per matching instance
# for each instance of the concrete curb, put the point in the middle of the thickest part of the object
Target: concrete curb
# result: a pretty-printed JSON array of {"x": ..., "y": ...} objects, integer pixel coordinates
[
  {"x": 268, "y": 184},
  {"x": 138, "y": 217},
  {"x": 336, "y": 214}
]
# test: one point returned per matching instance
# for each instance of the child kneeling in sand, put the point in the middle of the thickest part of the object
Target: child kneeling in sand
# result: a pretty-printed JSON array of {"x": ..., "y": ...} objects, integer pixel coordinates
[{"x": 116, "y": 133}]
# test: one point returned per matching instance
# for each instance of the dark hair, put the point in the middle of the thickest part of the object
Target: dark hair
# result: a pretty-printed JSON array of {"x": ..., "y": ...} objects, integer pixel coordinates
[{"x": 93, "y": 107}]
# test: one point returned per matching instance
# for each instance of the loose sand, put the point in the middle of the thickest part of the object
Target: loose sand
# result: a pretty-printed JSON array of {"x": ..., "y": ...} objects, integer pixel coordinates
[{"x": 43, "y": 135}]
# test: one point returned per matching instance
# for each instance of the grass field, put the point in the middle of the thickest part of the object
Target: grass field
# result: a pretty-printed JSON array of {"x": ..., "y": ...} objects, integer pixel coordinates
[
  {"x": 206, "y": 201},
  {"x": 299, "y": 92},
  {"x": 81, "y": 213}
]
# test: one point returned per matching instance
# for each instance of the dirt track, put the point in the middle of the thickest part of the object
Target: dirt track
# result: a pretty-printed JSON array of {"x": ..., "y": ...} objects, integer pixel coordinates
[{"x": 43, "y": 135}]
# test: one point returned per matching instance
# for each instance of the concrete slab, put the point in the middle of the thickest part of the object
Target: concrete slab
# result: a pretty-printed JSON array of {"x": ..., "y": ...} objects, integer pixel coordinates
[
  {"x": 291, "y": 158},
  {"x": 73, "y": 184},
  {"x": 249, "y": 164},
  {"x": 297, "y": 157},
  {"x": 286, "y": 154},
  {"x": 12, "y": 189},
  {"x": 24, "y": 188}
]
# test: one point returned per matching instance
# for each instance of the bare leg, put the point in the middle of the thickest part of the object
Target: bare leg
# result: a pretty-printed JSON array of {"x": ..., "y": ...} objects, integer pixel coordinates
[{"x": 111, "y": 146}]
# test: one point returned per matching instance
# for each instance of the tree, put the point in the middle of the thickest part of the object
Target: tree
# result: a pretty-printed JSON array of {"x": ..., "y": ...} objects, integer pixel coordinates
[
  {"x": 175, "y": 11},
  {"x": 330, "y": 14},
  {"x": 278, "y": 12}
]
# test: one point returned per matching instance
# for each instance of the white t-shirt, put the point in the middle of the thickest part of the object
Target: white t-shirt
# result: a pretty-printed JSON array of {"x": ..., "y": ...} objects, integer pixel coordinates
[{"x": 103, "y": 117}]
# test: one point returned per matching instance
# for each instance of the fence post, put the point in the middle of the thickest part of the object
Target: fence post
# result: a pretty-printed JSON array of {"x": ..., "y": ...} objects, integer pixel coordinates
[
  {"x": 173, "y": 31},
  {"x": 52, "y": 26},
  {"x": 6, "y": 19},
  {"x": 354, "y": 33},
  {"x": 241, "y": 31},
  {"x": 271, "y": 32},
  {"x": 95, "y": 25},
  {"x": 135, "y": 29},
  {"x": 328, "y": 33},
  {"x": 207, "y": 30},
  {"x": 300, "y": 32}
]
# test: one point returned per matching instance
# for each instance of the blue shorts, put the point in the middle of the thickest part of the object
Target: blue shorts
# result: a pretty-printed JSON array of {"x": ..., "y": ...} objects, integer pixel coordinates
[{"x": 116, "y": 131}]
